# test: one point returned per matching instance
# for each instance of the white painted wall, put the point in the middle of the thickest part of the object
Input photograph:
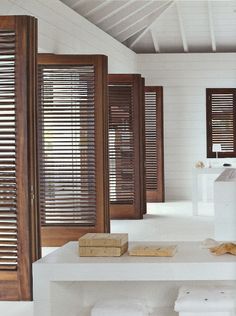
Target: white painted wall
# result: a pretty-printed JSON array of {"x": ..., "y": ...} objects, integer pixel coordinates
[
  {"x": 63, "y": 31},
  {"x": 185, "y": 78}
]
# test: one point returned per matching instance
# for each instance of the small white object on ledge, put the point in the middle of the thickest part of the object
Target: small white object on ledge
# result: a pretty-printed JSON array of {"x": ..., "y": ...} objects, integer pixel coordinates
[
  {"x": 216, "y": 148},
  {"x": 206, "y": 301}
]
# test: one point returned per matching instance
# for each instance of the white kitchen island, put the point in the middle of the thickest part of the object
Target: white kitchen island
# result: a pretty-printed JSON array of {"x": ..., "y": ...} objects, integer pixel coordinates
[{"x": 65, "y": 284}]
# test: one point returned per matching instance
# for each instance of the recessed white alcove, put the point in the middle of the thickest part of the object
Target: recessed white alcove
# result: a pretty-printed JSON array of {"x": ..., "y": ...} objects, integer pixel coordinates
[{"x": 77, "y": 298}]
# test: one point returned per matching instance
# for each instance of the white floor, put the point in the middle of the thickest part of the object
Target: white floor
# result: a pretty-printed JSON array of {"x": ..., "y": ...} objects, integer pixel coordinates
[{"x": 172, "y": 221}]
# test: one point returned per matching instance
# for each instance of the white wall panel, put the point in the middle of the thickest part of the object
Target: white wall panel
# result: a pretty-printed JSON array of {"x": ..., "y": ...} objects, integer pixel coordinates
[{"x": 185, "y": 78}]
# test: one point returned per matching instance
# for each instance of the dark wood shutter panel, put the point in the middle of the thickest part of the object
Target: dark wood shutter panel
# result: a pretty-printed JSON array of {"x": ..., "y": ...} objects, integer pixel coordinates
[
  {"x": 221, "y": 126},
  {"x": 125, "y": 141},
  {"x": 154, "y": 144},
  {"x": 143, "y": 148},
  {"x": 8, "y": 207},
  {"x": 121, "y": 149},
  {"x": 19, "y": 238},
  {"x": 72, "y": 147}
]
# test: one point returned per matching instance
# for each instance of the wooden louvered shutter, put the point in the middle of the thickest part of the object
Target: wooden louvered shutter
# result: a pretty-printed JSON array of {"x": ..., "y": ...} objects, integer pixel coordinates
[
  {"x": 154, "y": 144},
  {"x": 73, "y": 129},
  {"x": 19, "y": 239},
  {"x": 125, "y": 143},
  {"x": 143, "y": 148},
  {"x": 221, "y": 121}
]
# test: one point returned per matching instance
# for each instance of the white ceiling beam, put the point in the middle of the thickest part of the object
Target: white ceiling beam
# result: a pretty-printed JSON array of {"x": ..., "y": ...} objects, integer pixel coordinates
[
  {"x": 131, "y": 32},
  {"x": 211, "y": 25},
  {"x": 97, "y": 8},
  {"x": 143, "y": 17},
  {"x": 130, "y": 35},
  {"x": 126, "y": 17},
  {"x": 168, "y": 6},
  {"x": 155, "y": 41},
  {"x": 112, "y": 13},
  {"x": 181, "y": 26},
  {"x": 140, "y": 25},
  {"x": 76, "y": 4}
]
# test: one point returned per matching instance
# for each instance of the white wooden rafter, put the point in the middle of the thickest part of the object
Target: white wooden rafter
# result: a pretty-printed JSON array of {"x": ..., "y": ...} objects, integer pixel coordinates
[
  {"x": 97, "y": 8},
  {"x": 211, "y": 25},
  {"x": 141, "y": 19},
  {"x": 155, "y": 41},
  {"x": 128, "y": 15},
  {"x": 181, "y": 26},
  {"x": 112, "y": 13},
  {"x": 140, "y": 25},
  {"x": 151, "y": 25},
  {"x": 128, "y": 34},
  {"x": 76, "y": 4}
]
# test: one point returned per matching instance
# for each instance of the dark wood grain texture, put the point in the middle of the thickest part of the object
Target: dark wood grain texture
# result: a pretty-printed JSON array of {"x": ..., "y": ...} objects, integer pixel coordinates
[
  {"x": 155, "y": 188},
  {"x": 78, "y": 202},
  {"x": 143, "y": 148},
  {"x": 126, "y": 147},
  {"x": 221, "y": 121},
  {"x": 16, "y": 279}
]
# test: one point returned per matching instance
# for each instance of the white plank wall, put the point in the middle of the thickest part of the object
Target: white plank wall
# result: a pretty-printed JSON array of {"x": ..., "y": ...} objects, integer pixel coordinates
[
  {"x": 185, "y": 78},
  {"x": 63, "y": 31}
]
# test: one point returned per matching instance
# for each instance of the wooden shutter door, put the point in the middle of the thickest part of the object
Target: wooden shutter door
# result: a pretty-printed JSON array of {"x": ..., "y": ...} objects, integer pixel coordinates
[
  {"x": 19, "y": 239},
  {"x": 221, "y": 126},
  {"x": 143, "y": 148},
  {"x": 154, "y": 144},
  {"x": 73, "y": 129},
  {"x": 125, "y": 145}
]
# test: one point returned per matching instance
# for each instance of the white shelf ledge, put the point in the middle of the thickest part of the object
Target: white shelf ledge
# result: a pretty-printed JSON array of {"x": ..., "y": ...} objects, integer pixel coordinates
[
  {"x": 62, "y": 269},
  {"x": 189, "y": 263}
]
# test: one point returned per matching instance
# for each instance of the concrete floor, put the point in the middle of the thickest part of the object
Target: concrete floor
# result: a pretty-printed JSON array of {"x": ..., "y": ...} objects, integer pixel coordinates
[{"x": 171, "y": 221}]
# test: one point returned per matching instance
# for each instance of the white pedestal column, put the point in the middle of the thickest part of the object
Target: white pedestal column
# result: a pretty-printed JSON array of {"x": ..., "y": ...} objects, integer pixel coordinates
[{"x": 225, "y": 206}]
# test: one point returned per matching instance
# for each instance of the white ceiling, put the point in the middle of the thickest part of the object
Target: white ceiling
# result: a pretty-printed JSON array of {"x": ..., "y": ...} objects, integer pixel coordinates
[{"x": 164, "y": 26}]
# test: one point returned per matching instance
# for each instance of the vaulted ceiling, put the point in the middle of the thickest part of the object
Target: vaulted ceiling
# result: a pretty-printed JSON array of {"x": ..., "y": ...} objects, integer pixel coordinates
[{"x": 166, "y": 26}]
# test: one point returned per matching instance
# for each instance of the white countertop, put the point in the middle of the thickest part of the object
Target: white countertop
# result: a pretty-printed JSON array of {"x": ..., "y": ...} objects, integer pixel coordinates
[
  {"x": 214, "y": 170},
  {"x": 189, "y": 263}
]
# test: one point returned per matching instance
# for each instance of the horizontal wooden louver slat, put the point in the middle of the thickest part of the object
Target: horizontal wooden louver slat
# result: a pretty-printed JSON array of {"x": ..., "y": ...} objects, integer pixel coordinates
[
  {"x": 8, "y": 181},
  {"x": 154, "y": 144},
  {"x": 19, "y": 238},
  {"x": 223, "y": 121},
  {"x": 151, "y": 140},
  {"x": 221, "y": 111},
  {"x": 121, "y": 144},
  {"x": 67, "y": 145},
  {"x": 125, "y": 143}
]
